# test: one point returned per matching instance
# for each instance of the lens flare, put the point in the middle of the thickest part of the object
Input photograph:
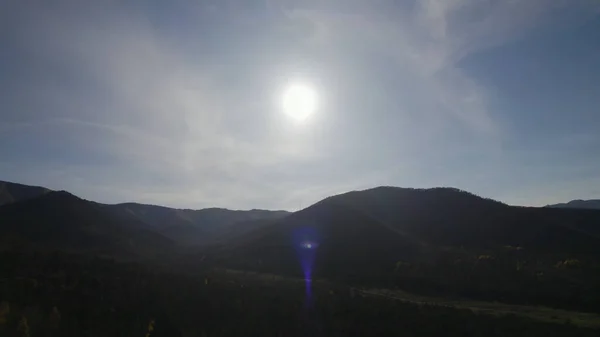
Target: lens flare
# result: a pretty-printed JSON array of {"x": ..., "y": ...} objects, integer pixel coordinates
[
  {"x": 306, "y": 244},
  {"x": 309, "y": 245}
]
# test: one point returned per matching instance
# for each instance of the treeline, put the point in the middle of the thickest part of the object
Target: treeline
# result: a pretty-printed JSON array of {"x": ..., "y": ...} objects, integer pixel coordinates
[
  {"x": 63, "y": 295},
  {"x": 505, "y": 274},
  {"x": 518, "y": 277}
]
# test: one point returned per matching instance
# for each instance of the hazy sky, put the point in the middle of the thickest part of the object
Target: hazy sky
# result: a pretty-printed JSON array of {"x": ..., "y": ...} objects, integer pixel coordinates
[{"x": 177, "y": 102}]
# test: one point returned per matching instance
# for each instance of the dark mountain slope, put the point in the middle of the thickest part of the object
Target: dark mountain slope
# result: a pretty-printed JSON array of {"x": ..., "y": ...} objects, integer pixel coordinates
[
  {"x": 210, "y": 219},
  {"x": 214, "y": 219},
  {"x": 174, "y": 224},
  {"x": 579, "y": 204},
  {"x": 326, "y": 240},
  {"x": 438, "y": 241},
  {"x": 60, "y": 220},
  {"x": 12, "y": 192},
  {"x": 438, "y": 216},
  {"x": 156, "y": 217},
  {"x": 243, "y": 230},
  {"x": 366, "y": 233},
  {"x": 185, "y": 226},
  {"x": 188, "y": 226},
  {"x": 448, "y": 216}
]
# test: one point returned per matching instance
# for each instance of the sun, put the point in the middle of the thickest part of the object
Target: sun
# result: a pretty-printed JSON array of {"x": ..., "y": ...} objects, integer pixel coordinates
[{"x": 299, "y": 101}]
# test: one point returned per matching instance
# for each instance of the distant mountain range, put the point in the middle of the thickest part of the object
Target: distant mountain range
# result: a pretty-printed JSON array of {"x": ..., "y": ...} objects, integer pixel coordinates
[
  {"x": 38, "y": 217},
  {"x": 355, "y": 234},
  {"x": 579, "y": 204},
  {"x": 190, "y": 227},
  {"x": 434, "y": 241},
  {"x": 60, "y": 220},
  {"x": 365, "y": 233},
  {"x": 11, "y": 192}
]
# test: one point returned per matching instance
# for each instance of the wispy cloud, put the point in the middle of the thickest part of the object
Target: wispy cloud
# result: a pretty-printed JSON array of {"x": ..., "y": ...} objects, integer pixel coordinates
[{"x": 187, "y": 126}]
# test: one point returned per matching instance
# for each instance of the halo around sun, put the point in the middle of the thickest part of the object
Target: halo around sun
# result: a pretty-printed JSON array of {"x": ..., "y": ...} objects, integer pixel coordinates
[{"x": 299, "y": 101}]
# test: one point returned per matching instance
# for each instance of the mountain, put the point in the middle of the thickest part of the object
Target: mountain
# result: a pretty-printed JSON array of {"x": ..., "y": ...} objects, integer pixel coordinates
[
  {"x": 12, "y": 192},
  {"x": 365, "y": 234},
  {"x": 452, "y": 217},
  {"x": 437, "y": 215},
  {"x": 184, "y": 226},
  {"x": 188, "y": 226},
  {"x": 434, "y": 241},
  {"x": 60, "y": 220},
  {"x": 172, "y": 223},
  {"x": 347, "y": 242},
  {"x": 579, "y": 204},
  {"x": 211, "y": 219}
]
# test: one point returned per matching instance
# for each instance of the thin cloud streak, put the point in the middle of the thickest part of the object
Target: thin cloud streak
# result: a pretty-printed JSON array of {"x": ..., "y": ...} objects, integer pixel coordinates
[{"x": 190, "y": 130}]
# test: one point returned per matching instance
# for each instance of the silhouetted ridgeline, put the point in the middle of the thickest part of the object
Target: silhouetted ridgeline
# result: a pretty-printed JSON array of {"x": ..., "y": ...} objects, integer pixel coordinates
[
  {"x": 579, "y": 204},
  {"x": 11, "y": 192},
  {"x": 441, "y": 242},
  {"x": 36, "y": 216}
]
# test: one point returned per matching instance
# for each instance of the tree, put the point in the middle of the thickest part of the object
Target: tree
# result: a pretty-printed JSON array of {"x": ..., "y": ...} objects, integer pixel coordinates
[
  {"x": 23, "y": 327},
  {"x": 4, "y": 311}
]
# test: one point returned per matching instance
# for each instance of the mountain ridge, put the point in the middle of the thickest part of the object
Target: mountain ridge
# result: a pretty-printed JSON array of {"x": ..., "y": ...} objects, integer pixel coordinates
[
  {"x": 578, "y": 204},
  {"x": 426, "y": 223},
  {"x": 61, "y": 220},
  {"x": 6, "y": 186},
  {"x": 459, "y": 218},
  {"x": 440, "y": 240},
  {"x": 14, "y": 192},
  {"x": 185, "y": 226}
]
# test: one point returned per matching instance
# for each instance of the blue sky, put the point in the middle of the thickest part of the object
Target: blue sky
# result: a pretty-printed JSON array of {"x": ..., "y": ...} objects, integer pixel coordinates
[{"x": 177, "y": 103}]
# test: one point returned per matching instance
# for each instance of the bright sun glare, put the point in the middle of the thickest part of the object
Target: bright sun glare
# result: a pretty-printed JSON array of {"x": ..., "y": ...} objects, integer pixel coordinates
[{"x": 299, "y": 101}]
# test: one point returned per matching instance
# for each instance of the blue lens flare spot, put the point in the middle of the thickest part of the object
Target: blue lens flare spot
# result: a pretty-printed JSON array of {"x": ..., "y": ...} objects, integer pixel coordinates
[
  {"x": 309, "y": 245},
  {"x": 305, "y": 241}
]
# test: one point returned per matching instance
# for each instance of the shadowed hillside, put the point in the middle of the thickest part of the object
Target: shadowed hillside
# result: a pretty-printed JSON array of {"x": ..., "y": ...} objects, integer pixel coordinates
[
  {"x": 442, "y": 241},
  {"x": 446, "y": 217},
  {"x": 342, "y": 241},
  {"x": 60, "y": 220},
  {"x": 435, "y": 241},
  {"x": 12, "y": 192},
  {"x": 187, "y": 226},
  {"x": 184, "y": 226},
  {"x": 579, "y": 204},
  {"x": 451, "y": 217}
]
